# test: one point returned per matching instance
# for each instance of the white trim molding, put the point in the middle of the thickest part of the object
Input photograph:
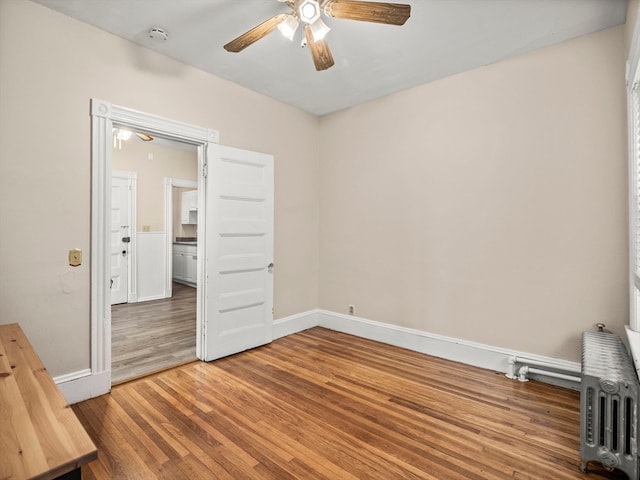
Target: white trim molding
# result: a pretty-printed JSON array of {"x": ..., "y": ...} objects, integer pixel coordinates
[
  {"x": 70, "y": 377},
  {"x": 295, "y": 323},
  {"x": 83, "y": 385},
  {"x": 633, "y": 140},
  {"x": 104, "y": 117},
  {"x": 633, "y": 338},
  {"x": 463, "y": 351}
]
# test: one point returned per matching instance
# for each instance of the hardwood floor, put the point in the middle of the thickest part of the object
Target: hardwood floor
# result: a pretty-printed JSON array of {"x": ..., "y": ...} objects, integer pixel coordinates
[
  {"x": 325, "y": 405},
  {"x": 152, "y": 336}
]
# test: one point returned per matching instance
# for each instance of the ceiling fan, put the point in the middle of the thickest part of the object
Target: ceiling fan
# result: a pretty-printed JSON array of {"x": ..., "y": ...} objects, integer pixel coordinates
[{"x": 309, "y": 12}]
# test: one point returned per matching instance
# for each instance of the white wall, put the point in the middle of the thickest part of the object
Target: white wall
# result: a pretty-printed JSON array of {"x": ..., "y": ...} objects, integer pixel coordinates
[
  {"x": 50, "y": 66},
  {"x": 489, "y": 206},
  {"x": 151, "y": 260}
]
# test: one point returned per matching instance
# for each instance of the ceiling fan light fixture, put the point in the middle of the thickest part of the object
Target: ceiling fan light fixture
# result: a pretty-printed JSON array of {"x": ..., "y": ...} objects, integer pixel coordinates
[
  {"x": 319, "y": 29},
  {"x": 309, "y": 11},
  {"x": 289, "y": 26}
]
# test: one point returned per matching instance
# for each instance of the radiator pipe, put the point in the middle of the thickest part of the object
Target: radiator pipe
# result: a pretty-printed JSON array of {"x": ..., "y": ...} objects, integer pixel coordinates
[
  {"x": 539, "y": 363},
  {"x": 511, "y": 369},
  {"x": 525, "y": 370}
]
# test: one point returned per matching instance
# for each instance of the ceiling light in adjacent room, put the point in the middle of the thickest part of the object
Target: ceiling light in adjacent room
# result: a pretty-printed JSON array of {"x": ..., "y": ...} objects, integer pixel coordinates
[
  {"x": 119, "y": 135},
  {"x": 123, "y": 134}
]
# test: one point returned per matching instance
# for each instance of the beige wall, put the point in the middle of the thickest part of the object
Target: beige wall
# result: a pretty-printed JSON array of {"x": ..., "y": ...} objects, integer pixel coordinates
[
  {"x": 50, "y": 66},
  {"x": 151, "y": 172},
  {"x": 489, "y": 206}
]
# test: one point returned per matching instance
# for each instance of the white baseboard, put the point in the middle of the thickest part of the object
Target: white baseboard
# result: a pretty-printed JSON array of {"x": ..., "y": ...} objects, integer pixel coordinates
[
  {"x": 463, "y": 351},
  {"x": 152, "y": 297},
  {"x": 79, "y": 386},
  {"x": 82, "y": 385},
  {"x": 295, "y": 323}
]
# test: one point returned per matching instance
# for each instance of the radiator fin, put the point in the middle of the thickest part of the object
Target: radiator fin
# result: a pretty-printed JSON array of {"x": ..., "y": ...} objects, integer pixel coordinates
[{"x": 609, "y": 418}]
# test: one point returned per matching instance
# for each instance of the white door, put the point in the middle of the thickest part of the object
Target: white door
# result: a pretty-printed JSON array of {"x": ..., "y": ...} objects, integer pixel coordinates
[
  {"x": 239, "y": 251},
  {"x": 120, "y": 223}
]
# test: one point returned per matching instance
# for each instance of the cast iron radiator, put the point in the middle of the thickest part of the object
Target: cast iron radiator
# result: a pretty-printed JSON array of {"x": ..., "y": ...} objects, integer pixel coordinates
[{"x": 609, "y": 420}]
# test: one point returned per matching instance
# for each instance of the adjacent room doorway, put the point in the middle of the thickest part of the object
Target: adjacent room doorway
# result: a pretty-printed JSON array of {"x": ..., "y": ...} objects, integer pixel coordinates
[
  {"x": 120, "y": 235},
  {"x": 153, "y": 325},
  {"x": 235, "y": 238}
]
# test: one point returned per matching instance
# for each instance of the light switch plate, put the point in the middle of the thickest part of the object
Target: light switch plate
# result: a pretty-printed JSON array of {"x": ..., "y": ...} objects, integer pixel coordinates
[{"x": 75, "y": 257}]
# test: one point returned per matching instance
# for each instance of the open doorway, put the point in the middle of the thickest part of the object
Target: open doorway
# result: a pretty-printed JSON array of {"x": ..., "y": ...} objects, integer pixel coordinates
[
  {"x": 234, "y": 301},
  {"x": 154, "y": 207}
]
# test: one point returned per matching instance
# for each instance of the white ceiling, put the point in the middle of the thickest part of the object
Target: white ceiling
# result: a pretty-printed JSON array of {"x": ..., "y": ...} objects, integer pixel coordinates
[{"x": 442, "y": 37}]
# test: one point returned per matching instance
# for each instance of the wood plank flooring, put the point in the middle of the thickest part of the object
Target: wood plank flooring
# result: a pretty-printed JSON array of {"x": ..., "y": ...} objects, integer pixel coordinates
[
  {"x": 324, "y": 405},
  {"x": 152, "y": 336}
]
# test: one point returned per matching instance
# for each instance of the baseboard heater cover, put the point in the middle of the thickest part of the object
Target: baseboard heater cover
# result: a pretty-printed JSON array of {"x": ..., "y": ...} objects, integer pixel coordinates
[{"x": 609, "y": 420}]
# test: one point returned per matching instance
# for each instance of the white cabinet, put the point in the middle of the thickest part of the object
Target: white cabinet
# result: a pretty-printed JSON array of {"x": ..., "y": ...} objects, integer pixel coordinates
[
  {"x": 189, "y": 207},
  {"x": 185, "y": 264}
]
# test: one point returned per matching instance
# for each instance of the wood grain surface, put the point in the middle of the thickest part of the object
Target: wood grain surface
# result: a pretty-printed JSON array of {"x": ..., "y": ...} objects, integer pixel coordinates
[
  {"x": 147, "y": 337},
  {"x": 325, "y": 405},
  {"x": 40, "y": 436}
]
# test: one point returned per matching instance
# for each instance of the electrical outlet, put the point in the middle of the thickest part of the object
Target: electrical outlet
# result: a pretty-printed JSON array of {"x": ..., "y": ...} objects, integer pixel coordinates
[{"x": 352, "y": 310}]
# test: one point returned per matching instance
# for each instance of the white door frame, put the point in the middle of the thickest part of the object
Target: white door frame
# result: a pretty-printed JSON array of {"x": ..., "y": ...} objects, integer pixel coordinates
[
  {"x": 132, "y": 272},
  {"x": 169, "y": 183},
  {"x": 104, "y": 117}
]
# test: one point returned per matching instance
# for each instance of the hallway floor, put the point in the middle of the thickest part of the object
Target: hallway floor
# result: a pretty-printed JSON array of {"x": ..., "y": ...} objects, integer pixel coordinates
[{"x": 148, "y": 337}]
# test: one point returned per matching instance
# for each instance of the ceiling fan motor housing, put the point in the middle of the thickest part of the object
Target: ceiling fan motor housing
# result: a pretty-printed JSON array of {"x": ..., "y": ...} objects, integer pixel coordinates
[{"x": 309, "y": 11}]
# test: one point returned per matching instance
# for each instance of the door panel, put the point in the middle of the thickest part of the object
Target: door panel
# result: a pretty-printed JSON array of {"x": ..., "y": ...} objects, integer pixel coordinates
[
  {"x": 239, "y": 249},
  {"x": 120, "y": 222}
]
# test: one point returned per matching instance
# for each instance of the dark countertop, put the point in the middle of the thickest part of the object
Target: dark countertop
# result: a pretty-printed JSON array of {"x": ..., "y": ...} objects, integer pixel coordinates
[{"x": 186, "y": 241}]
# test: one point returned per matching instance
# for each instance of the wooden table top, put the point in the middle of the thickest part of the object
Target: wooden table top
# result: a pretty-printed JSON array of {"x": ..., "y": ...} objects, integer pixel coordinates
[{"x": 40, "y": 436}]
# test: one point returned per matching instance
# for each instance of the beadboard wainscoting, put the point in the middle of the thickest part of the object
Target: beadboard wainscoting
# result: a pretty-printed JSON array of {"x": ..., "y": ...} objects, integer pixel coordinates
[{"x": 152, "y": 266}]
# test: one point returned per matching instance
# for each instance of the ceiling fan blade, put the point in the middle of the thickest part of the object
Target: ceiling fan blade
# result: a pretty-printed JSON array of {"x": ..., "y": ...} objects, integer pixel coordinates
[
  {"x": 389, "y": 13},
  {"x": 144, "y": 136},
  {"x": 320, "y": 52},
  {"x": 255, "y": 34}
]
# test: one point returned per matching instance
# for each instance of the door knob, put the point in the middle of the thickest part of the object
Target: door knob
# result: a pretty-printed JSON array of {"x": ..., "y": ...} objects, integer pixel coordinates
[
  {"x": 124, "y": 253},
  {"x": 270, "y": 267}
]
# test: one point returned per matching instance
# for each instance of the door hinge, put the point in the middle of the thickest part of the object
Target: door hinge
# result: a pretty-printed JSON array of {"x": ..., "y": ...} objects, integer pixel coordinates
[{"x": 205, "y": 169}]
